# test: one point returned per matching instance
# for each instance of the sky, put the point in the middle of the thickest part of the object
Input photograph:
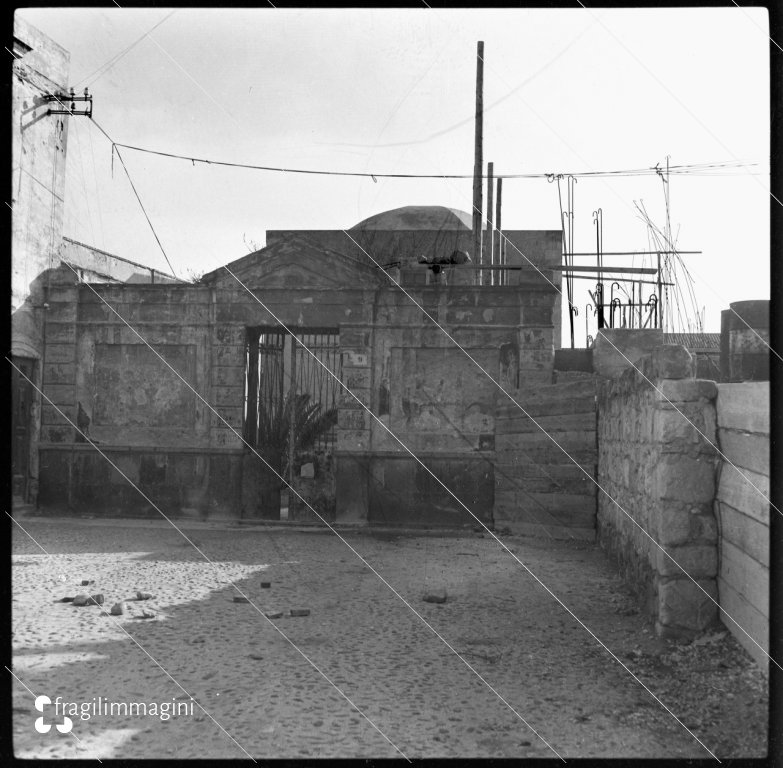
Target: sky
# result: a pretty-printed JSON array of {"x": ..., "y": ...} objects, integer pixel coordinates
[{"x": 393, "y": 91}]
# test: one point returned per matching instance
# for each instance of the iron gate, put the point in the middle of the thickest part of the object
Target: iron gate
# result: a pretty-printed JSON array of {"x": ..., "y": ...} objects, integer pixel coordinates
[
  {"x": 279, "y": 370},
  {"x": 274, "y": 361}
]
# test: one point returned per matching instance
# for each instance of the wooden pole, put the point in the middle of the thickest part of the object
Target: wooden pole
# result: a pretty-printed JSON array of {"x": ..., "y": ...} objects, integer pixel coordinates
[
  {"x": 490, "y": 233},
  {"x": 478, "y": 166},
  {"x": 499, "y": 226}
]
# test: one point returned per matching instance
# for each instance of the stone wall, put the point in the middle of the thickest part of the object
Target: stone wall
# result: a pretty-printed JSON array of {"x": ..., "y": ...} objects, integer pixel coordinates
[
  {"x": 38, "y": 147},
  {"x": 39, "y": 140},
  {"x": 742, "y": 511},
  {"x": 440, "y": 403},
  {"x": 99, "y": 374},
  {"x": 544, "y": 481},
  {"x": 661, "y": 471},
  {"x": 395, "y": 360}
]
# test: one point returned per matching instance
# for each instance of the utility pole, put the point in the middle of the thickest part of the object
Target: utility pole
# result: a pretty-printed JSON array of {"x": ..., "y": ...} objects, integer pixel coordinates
[
  {"x": 490, "y": 233},
  {"x": 478, "y": 166},
  {"x": 501, "y": 259}
]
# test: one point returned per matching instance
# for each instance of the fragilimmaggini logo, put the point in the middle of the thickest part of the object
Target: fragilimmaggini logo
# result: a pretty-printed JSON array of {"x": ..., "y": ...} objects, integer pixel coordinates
[
  {"x": 99, "y": 706},
  {"x": 40, "y": 723}
]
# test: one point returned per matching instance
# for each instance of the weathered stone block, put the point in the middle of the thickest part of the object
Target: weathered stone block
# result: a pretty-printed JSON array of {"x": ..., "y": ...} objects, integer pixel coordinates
[
  {"x": 672, "y": 361},
  {"x": 353, "y": 440},
  {"x": 742, "y": 406},
  {"x": 354, "y": 337},
  {"x": 697, "y": 560},
  {"x": 674, "y": 524},
  {"x": 679, "y": 428},
  {"x": 59, "y": 373},
  {"x": 616, "y": 349},
  {"x": 684, "y": 390},
  {"x": 353, "y": 358},
  {"x": 704, "y": 527},
  {"x": 357, "y": 377},
  {"x": 746, "y": 450},
  {"x": 684, "y": 478},
  {"x": 683, "y": 605},
  {"x": 353, "y": 418}
]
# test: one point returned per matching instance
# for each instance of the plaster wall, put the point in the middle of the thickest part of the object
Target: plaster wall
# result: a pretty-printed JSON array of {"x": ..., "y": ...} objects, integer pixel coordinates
[
  {"x": 38, "y": 164},
  {"x": 395, "y": 360},
  {"x": 743, "y": 512}
]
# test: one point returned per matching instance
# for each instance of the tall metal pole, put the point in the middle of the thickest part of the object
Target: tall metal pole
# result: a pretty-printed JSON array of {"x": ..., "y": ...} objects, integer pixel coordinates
[
  {"x": 490, "y": 233},
  {"x": 478, "y": 166},
  {"x": 660, "y": 292},
  {"x": 499, "y": 226}
]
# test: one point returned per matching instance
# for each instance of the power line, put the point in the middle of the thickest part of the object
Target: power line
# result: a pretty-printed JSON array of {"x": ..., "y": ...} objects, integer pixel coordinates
[
  {"x": 692, "y": 169},
  {"x": 114, "y": 147}
]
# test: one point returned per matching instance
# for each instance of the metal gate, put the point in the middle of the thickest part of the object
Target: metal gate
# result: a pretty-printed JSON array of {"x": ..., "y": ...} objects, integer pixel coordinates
[{"x": 277, "y": 368}]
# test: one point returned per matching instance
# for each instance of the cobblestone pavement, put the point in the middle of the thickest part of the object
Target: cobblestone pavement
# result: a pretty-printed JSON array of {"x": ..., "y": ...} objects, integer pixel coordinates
[{"x": 264, "y": 699}]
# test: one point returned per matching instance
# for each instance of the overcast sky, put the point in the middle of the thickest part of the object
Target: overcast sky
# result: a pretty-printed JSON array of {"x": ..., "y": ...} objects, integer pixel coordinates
[{"x": 392, "y": 91}]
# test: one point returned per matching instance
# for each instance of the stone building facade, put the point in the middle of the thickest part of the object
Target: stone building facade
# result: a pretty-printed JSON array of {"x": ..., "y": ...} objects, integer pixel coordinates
[{"x": 394, "y": 357}]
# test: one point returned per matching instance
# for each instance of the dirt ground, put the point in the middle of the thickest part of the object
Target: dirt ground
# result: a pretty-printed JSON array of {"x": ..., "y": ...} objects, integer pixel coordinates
[{"x": 548, "y": 687}]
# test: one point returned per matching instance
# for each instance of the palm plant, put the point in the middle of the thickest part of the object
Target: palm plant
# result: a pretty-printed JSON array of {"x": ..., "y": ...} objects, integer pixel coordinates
[{"x": 298, "y": 416}]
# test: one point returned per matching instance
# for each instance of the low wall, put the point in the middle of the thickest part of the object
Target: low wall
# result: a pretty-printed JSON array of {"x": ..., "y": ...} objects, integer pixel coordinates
[
  {"x": 661, "y": 471},
  {"x": 546, "y": 458},
  {"x": 181, "y": 482},
  {"x": 743, "y": 512}
]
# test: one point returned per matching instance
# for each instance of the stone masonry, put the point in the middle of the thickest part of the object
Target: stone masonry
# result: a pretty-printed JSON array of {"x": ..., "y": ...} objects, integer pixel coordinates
[{"x": 661, "y": 471}]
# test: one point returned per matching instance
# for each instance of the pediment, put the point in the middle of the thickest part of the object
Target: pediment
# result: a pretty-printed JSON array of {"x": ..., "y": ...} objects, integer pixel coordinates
[{"x": 298, "y": 262}]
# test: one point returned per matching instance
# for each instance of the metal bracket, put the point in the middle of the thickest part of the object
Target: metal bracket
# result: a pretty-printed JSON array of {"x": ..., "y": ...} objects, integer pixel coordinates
[{"x": 61, "y": 99}]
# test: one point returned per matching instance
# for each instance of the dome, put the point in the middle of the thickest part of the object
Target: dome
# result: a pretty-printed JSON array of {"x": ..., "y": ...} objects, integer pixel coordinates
[{"x": 418, "y": 217}]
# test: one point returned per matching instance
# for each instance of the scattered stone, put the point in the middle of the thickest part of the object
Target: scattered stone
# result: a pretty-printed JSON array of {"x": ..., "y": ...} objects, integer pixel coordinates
[
  {"x": 147, "y": 614},
  {"x": 144, "y": 596},
  {"x": 308, "y": 470},
  {"x": 300, "y": 612},
  {"x": 80, "y": 599},
  {"x": 118, "y": 609},
  {"x": 95, "y": 600},
  {"x": 241, "y": 599},
  {"x": 266, "y": 584},
  {"x": 87, "y": 582},
  {"x": 524, "y": 743},
  {"x": 66, "y": 600},
  {"x": 256, "y": 656},
  {"x": 274, "y": 615},
  {"x": 437, "y": 596}
]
